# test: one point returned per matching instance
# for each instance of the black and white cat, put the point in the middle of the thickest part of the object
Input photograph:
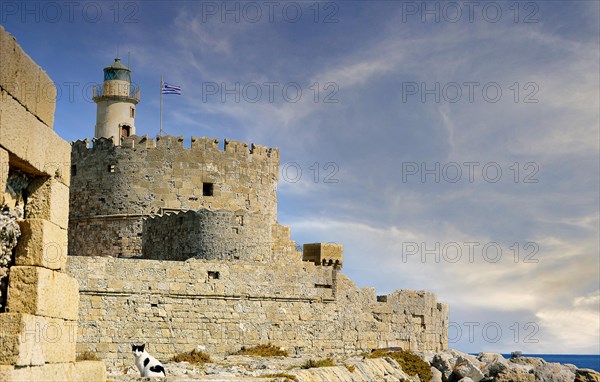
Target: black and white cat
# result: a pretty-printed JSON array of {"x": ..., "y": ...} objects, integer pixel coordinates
[{"x": 146, "y": 364}]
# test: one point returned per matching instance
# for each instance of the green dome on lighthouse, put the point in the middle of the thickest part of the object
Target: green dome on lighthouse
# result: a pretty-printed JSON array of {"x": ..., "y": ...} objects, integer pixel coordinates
[{"x": 117, "y": 71}]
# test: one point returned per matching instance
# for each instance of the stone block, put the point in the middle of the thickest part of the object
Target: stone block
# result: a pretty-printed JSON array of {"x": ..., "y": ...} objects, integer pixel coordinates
[
  {"x": 52, "y": 372},
  {"x": 39, "y": 150},
  {"x": 42, "y": 244},
  {"x": 3, "y": 172},
  {"x": 43, "y": 292},
  {"x": 48, "y": 199},
  {"x": 25, "y": 81},
  {"x": 323, "y": 253},
  {"x": 90, "y": 371},
  {"x": 34, "y": 340}
]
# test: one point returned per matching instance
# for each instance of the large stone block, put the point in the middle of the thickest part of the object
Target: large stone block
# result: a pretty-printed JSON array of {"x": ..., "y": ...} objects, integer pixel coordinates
[
  {"x": 43, "y": 292},
  {"x": 90, "y": 371},
  {"x": 35, "y": 340},
  {"x": 3, "y": 173},
  {"x": 52, "y": 372},
  {"x": 25, "y": 81},
  {"x": 36, "y": 148},
  {"x": 42, "y": 244},
  {"x": 323, "y": 253},
  {"x": 48, "y": 199}
]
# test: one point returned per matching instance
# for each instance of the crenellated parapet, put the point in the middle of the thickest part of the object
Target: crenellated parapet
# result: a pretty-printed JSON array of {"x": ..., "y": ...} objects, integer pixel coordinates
[{"x": 202, "y": 145}]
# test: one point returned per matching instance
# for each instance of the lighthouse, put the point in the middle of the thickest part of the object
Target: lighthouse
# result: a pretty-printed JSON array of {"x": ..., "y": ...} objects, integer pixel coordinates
[{"x": 115, "y": 103}]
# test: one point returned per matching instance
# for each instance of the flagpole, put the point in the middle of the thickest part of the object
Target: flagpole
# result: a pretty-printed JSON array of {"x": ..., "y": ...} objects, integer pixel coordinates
[{"x": 161, "y": 101}]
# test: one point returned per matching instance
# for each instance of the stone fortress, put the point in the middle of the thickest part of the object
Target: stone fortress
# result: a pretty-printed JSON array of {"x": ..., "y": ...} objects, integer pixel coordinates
[
  {"x": 180, "y": 247},
  {"x": 176, "y": 247}
]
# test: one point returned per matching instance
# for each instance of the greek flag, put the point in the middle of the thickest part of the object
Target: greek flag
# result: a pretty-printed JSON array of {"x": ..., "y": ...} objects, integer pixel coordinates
[{"x": 171, "y": 89}]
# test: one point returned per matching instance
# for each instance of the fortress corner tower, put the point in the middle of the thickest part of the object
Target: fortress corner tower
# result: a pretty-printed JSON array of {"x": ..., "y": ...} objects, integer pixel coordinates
[{"x": 115, "y": 103}]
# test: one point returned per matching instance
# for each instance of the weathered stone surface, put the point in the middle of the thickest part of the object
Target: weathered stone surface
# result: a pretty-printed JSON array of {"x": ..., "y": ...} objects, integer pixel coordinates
[
  {"x": 25, "y": 80},
  {"x": 436, "y": 375},
  {"x": 3, "y": 173},
  {"x": 381, "y": 369},
  {"x": 514, "y": 375},
  {"x": 324, "y": 253},
  {"x": 587, "y": 375},
  {"x": 28, "y": 139},
  {"x": 225, "y": 305},
  {"x": 466, "y": 367},
  {"x": 90, "y": 371},
  {"x": 43, "y": 292},
  {"x": 554, "y": 372},
  {"x": 51, "y": 372},
  {"x": 35, "y": 340},
  {"x": 17, "y": 348},
  {"x": 114, "y": 188},
  {"x": 206, "y": 234},
  {"x": 48, "y": 199},
  {"x": 444, "y": 362},
  {"x": 42, "y": 244}
]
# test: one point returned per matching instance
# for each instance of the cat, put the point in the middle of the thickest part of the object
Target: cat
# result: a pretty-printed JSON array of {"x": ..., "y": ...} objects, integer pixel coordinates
[{"x": 146, "y": 364}]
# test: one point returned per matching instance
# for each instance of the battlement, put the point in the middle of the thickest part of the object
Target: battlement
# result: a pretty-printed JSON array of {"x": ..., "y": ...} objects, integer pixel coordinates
[{"x": 169, "y": 142}]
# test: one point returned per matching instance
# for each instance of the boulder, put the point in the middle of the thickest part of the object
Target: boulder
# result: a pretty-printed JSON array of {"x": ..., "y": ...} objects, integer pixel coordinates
[
  {"x": 587, "y": 375},
  {"x": 554, "y": 372},
  {"x": 467, "y": 367},
  {"x": 436, "y": 375},
  {"x": 444, "y": 362},
  {"x": 516, "y": 374}
]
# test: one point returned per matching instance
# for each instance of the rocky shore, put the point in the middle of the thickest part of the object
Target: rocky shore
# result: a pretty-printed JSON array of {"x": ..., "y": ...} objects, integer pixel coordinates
[{"x": 447, "y": 366}]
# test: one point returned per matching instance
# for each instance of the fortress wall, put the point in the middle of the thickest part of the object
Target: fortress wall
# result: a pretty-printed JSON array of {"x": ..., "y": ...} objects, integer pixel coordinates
[
  {"x": 206, "y": 234},
  {"x": 39, "y": 308},
  {"x": 117, "y": 186},
  {"x": 307, "y": 309}
]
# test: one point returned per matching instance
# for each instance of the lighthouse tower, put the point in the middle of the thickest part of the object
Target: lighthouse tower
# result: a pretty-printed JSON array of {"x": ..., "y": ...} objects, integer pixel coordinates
[{"x": 115, "y": 103}]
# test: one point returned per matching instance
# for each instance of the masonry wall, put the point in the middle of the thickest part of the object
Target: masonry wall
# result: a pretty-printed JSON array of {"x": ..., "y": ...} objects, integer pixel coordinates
[
  {"x": 114, "y": 188},
  {"x": 38, "y": 324},
  {"x": 206, "y": 234},
  {"x": 307, "y": 309}
]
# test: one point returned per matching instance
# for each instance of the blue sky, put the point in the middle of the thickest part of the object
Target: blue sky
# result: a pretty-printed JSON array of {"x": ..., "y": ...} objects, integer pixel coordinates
[{"x": 436, "y": 126}]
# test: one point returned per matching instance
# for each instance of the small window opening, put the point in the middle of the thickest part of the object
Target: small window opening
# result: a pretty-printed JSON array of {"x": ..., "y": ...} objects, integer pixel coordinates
[
  {"x": 73, "y": 170},
  {"x": 132, "y": 112},
  {"x": 212, "y": 275},
  {"x": 125, "y": 131},
  {"x": 207, "y": 189},
  {"x": 111, "y": 168}
]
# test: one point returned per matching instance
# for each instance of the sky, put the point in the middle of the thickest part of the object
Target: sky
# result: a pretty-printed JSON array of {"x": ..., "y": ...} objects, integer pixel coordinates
[{"x": 449, "y": 146}]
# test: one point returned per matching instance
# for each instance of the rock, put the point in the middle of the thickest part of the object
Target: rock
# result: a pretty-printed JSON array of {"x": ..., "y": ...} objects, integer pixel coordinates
[
  {"x": 554, "y": 372},
  {"x": 467, "y": 367},
  {"x": 587, "y": 375},
  {"x": 436, "y": 375},
  {"x": 492, "y": 364},
  {"x": 466, "y": 379},
  {"x": 444, "y": 362},
  {"x": 517, "y": 374}
]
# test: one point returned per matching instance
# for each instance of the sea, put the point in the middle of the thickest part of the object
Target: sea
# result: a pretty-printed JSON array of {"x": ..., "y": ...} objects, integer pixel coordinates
[{"x": 582, "y": 361}]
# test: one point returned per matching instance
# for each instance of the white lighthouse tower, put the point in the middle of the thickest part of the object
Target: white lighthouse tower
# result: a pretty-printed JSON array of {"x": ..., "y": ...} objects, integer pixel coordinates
[{"x": 115, "y": 103}]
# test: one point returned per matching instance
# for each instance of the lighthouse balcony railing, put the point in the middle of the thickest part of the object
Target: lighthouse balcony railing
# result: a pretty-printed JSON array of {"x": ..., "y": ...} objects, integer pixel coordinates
[{"x": 133, "y": 93}]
